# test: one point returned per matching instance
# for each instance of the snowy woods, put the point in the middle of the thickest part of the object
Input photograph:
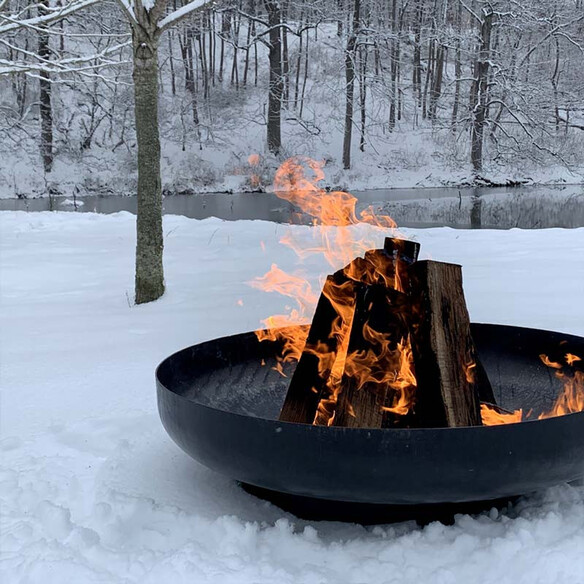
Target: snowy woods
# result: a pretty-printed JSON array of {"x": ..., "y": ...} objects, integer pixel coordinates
[
  {"x": 488, "y": 86},
  {"x": 90, "y": 85}
]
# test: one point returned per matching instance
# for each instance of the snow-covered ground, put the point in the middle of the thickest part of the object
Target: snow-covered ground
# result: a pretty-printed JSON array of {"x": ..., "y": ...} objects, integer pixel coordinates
[{"x": 92, "y": 488}]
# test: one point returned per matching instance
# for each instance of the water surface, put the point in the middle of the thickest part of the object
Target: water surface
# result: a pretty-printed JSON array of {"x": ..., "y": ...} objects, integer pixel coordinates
[{"x": 528, "y": 207}]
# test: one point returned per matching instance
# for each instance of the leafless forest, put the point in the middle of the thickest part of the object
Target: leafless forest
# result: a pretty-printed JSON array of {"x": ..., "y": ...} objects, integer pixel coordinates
[{"x": 459, "y": 83}]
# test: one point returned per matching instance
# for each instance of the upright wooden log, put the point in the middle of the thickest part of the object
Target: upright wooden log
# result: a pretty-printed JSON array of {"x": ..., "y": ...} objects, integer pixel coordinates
[
  {"x": 380, "y": 323},
  {"x": 367, "y": 283},
  {"x": 444, "y": 353},
  {"x": 309, "y": 382}
]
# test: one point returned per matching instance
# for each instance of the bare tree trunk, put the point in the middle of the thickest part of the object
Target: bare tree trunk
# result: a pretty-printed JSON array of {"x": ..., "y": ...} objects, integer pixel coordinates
[
  {"x": 436, "y": 88},
  {"x": 246, "y": 62},
  {"x": 211, "y": 33},
  {"x": 417, "y": 54},
  {"x": 46, "y": 108},
  {"x": 20, "y": 86},
  {"x": 398, "y": 62},
  {"x": 187, "y": 52},
  {"x": 149, "y": 246},
  {"x": 20, "y": 83},
  {"x": 350, "y": 84},
  {"x": 429, "y": 76},
  {"x": 62, "y": 35},
  {"x": 481, "y": 99},
  {"x": 555, "y": 78},
  {"x": 305, "y": 78},
  {"x": 255, "y": 58},
  {"x": 298, "y": 64},
  {"x": 224, "y": 31},
  {"x": 274, "y": 135},
  {"x": 171, "y": 61},
  {"x": 200, "y": 36},
  {"x": 364, "y": 53},
  {"x": 393, "y": 53},
  {"x": 528, "y": 60},
  {"x": 235, "y": 64},
  {"x": 457, "y": 67}
]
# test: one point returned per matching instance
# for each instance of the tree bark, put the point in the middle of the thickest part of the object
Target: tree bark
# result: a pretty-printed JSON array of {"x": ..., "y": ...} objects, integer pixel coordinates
[
  {"x": 350, "y": 84},
  {"x": 305, "y": 78},
  {"x": 274, "y": 135},
  {"x": 481, "y": 98},
  {"x": 285, "y": 58},
  {"x": 417, "y": 54},
  {"x": 436, "y": 88},
  {"x": 445, "y": 358},
  {"x": 393, "y": 53},
  {"x": 457, "y": 67},
  {"x": 298, "y": 63},
  {"x": 363, "y": 94},
  {"x": 171, "y": 62},
  {"x": 45, "y": 107},
  {"x": 224, "y": 30},
  {"x": 187, "y": 52},
  {"x": 429, "y": 76},
  {"x": 149, "y": 246}
]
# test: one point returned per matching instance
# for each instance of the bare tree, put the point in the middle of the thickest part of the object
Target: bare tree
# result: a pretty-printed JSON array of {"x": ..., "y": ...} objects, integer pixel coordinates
[
  {"x": 480, "y": 89},
  {"x": 350, "y": 54},
  {"x": 46, "y": 110},
  {"x": 148, "y": 21},
  {"x": 274, "y": 10}
]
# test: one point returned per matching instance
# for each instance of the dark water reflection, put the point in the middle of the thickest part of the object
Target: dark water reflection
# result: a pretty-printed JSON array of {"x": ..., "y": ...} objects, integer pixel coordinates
[{"x": 503, "y": 208}]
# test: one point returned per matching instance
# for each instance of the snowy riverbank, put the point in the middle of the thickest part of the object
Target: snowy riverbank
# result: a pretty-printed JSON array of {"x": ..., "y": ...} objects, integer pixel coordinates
[
  {"x": 92, "y": 488},
  {"x": 408, "y": 159}
]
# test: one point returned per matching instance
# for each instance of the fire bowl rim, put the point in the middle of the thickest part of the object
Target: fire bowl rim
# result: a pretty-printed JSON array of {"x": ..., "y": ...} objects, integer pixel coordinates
[
  {"x": 393, "y": 466},
  {"x": 343, "y": 429}
]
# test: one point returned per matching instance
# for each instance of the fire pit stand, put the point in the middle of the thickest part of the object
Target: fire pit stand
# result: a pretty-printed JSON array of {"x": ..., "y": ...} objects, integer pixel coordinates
[{"x": 220, "y": 401}]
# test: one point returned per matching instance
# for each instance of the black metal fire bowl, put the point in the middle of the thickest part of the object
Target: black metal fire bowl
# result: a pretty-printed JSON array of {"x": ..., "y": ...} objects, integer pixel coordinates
[{"x": 221, "y": 405}]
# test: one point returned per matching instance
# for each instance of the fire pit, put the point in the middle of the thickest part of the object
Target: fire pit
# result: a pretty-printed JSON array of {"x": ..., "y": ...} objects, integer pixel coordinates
[
  {"x": 220, "y": 402},
  {"x": 391, "y": 397}
]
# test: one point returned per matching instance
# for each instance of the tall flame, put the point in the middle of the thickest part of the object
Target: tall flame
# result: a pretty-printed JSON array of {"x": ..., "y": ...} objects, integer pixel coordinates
[{"x": 341, "y": 234}]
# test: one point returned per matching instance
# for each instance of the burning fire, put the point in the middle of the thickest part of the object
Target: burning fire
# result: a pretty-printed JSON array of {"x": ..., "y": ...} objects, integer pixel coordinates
[
  {"x": 569, "y": 401},
  {"x": 572, "y": 397},
  {"x": 495, "y": 416},
  {"x": 340, "y": 235}
]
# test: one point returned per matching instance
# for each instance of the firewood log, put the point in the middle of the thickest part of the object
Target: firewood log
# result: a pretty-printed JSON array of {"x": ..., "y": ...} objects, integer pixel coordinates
[{"x": 445, "y": 358}]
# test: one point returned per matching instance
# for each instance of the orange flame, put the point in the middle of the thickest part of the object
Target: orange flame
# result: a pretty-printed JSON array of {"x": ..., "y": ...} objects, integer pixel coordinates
[
  {"x": 571, "y": 399},
  {"x": 470, "y": 371},
  {"x": 496, "y": 417},
  {"x": 296, "y": 181},
  {"x": 404, "y": 382},
  {"x": 341, "y": 234}
]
